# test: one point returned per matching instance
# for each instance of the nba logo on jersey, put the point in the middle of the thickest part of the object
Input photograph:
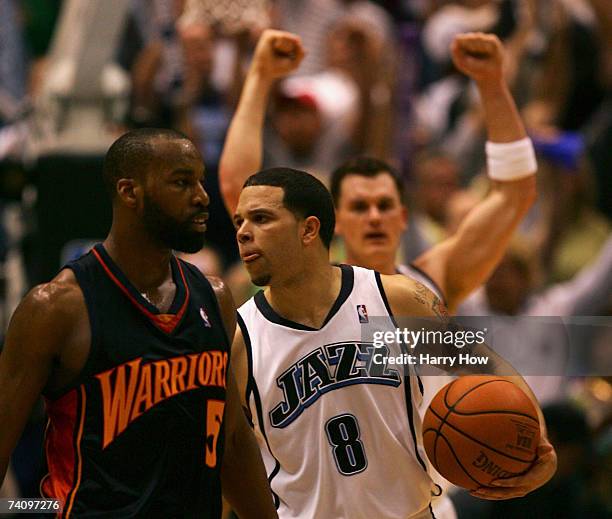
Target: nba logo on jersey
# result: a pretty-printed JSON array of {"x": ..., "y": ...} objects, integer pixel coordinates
[
  {"x": 362, "y": 312},
  {"x": 204, "y": 317}
]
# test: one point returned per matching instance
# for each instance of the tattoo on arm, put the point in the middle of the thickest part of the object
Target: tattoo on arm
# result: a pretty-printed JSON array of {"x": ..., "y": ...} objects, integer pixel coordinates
[
  {"x": 421, "y": 293},
  {"x": 440, "y": 309},
  {"x": 424, "y": 296}
]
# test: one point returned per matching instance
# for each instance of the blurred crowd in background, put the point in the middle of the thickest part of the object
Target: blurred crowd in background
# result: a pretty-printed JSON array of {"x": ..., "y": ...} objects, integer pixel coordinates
[{"x": 378, "y": 81}]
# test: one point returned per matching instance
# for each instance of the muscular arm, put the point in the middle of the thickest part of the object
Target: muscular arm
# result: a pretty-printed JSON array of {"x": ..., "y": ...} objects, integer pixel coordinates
[
  {"x": 238, "y": 357},
  {"x": 408, "y": 298},
  {"x": 277, "y": 54},
  {"x": 242, "y": 466},
  {"x": 465, "y": 260},
  {"x": 43, "y": 324}
]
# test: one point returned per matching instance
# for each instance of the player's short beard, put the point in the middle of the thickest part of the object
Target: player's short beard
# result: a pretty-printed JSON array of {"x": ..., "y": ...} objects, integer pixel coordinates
[{"x": 169, "y": 232}]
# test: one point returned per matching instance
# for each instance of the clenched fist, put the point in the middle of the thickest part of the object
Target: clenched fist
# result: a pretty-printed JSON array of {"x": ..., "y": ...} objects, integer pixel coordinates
[
  {"x": 277, "y": 54},
  {"x": 479, "y": 56}
]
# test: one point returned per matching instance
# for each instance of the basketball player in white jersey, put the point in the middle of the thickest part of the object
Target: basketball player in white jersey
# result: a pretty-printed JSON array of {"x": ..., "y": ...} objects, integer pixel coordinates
[{"x": 338, "y": 433}]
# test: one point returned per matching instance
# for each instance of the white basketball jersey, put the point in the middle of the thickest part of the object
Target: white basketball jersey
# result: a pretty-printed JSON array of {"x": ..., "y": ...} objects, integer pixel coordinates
[{"x": 338, "y": 434}]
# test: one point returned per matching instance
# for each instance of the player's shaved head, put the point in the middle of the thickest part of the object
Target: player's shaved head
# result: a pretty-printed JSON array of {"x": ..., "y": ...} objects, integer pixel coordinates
[{"x": 132, "y": 154}]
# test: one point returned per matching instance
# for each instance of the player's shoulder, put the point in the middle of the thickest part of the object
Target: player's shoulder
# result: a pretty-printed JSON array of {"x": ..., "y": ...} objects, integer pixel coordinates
[
  {"x": 407, "y": 296},
  {"x": 226, "y": 304},
  {"x": 221, "y": 290},
  {"x": 61, "y": 296},
  {"x": 49, "y": 314}
]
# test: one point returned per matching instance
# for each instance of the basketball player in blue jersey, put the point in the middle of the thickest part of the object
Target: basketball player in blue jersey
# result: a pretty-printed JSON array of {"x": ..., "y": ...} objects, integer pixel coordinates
[
  {"x": 338, "y": 437},
  {"x": 130, "y": 347}
]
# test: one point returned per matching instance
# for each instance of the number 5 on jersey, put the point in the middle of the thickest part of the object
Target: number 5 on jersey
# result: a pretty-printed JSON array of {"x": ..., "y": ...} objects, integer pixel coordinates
[
  {"x": 214, "y": 419},
  {"x": 343, "y": 435}
]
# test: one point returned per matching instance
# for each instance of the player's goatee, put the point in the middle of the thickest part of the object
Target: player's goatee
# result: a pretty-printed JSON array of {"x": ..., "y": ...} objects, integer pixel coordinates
[{"x": 170, "y": 232}]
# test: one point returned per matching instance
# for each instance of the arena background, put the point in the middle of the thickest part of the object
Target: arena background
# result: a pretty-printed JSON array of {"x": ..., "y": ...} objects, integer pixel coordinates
[{"x": 377, "y": 80}]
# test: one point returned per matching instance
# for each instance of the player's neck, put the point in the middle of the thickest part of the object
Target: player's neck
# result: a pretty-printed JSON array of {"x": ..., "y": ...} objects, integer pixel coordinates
[
  {"x": 308, "y": 298},
  {"x": 145, "y": 263},
  {"x": 382, "y": 265}
]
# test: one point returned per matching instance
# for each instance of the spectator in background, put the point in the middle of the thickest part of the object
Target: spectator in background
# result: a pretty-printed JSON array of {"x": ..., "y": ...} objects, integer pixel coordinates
[
  {"x": 205, "y": 116},
  {"x": 13, "y": 63},
  {"x": 311, "y": 122},
  {"x": 342, "y": 103},
  {"x": 309, "y": 19},
  {"x": 237, "y": 25},
  {"x": 511, "y": 291},
  {"x": 574, "y": 230},
  {"x": 435, "y": 180},
  {"x": 570, "y": 86},
  {"x": 354, "y": 40}
]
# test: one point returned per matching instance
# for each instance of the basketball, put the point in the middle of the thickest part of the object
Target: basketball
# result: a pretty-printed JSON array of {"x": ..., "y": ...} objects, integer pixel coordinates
[{"x": 480, "y": 428}]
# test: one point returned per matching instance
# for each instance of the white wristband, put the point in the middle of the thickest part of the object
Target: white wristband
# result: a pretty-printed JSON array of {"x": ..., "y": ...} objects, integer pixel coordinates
[{"x": 508, "y": 161}]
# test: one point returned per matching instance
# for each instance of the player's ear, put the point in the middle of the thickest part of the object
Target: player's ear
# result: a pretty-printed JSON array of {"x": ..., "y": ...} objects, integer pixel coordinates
[
  {"x": 127, "y": 191},
  {"x": 310, "y": 230}
]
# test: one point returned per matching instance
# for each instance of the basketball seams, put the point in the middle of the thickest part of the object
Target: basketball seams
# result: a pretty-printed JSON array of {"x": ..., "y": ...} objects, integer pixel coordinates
[
  {"x": 438, "y": 433},
  {"x": 450, "y": 447},
  {"x": 478, "y": 441},
  {"x": 517, "y": 413},
  {"x": 452, "y": 407}
]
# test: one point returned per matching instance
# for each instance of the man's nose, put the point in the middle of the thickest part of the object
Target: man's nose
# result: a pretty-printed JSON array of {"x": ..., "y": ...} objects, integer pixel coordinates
[
  {"x": 201, "y": 196},
  {"x": 243, "y": 234},
  {"x": 374, "y": 214}
]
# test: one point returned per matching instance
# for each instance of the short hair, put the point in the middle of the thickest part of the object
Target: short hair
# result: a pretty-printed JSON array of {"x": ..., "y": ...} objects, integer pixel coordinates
[
  {"x": 365, "y": 167},
  {"x": 133, "y": 153},
  {"x": 303, "y": 194}
]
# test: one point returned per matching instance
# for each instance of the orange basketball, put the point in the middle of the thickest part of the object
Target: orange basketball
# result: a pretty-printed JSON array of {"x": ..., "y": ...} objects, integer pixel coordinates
[{"x": 480, "y": 428}]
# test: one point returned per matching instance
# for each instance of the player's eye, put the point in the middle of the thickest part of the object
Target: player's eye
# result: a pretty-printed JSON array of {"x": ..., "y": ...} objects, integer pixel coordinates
[
  {"x": 385, "y": 205},
  {"x": 360, "y": 207}
]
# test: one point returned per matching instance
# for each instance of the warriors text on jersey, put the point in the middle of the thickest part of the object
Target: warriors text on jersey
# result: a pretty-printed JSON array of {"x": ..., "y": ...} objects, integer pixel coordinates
[
  {"x": 337, "y": 433},
  {"x": 140, "y": 433}
]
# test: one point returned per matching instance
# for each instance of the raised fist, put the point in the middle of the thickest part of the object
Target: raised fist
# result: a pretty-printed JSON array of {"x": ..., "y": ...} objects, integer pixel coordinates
[
  {"x": 479, "y": 56},
  {"x": 277, "y": 54}
]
